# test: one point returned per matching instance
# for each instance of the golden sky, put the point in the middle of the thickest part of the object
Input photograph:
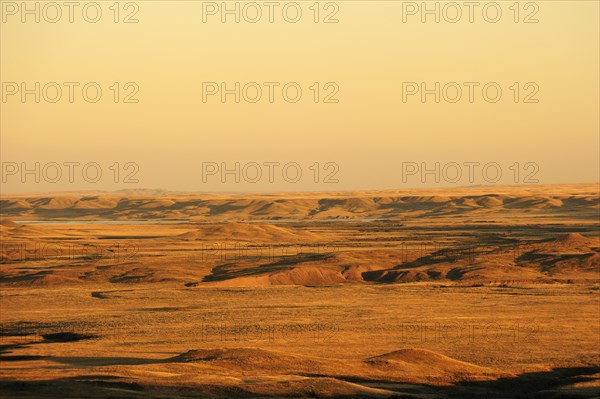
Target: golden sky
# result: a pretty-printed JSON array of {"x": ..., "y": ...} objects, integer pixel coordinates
[{"x": 366, "y": 57}]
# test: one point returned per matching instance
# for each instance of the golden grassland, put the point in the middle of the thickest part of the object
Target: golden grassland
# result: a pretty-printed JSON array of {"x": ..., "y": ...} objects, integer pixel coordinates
[{"x": 461, "y": 293}]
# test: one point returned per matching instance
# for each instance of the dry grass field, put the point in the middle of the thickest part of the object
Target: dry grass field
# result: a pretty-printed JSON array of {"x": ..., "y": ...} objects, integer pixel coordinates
[{"x": 463, "y": 293}]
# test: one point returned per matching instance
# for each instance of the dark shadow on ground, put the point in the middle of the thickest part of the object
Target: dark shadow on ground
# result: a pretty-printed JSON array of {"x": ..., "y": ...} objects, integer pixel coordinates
[{"x": 554, "y": 384}]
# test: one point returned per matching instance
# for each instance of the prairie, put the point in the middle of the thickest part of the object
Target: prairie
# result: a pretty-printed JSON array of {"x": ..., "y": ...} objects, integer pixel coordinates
[{"x": 461, "y": 293}]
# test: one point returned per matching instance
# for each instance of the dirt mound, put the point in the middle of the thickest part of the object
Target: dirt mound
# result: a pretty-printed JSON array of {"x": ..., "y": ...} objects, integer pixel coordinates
[
  {"x": 570, "y": 256},
  {"x": 533, "y": 202},
  {"x": 96, "y": 202},
  {"x": 250, "y": 359},
  {"x": 328, "y": 267},
  {"x": 490, "y": 202},
  {"x": 573, "y": 267},
  {"x": 401, "y": 365},
  {"x": 574, "y": 240},
  {"x": 307, "y": 276},
  {"x": 16, "y": 205},
  {"x": 424, "y": 361},
  {"x": 59, "y": 202}
]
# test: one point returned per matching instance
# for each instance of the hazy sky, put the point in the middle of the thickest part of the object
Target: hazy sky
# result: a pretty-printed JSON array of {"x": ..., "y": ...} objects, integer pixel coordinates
[{"x": 372, "y": 62}]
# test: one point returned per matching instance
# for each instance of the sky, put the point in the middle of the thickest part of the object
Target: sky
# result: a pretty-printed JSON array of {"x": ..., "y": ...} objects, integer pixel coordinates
[{"x": 297, "y": 96}]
